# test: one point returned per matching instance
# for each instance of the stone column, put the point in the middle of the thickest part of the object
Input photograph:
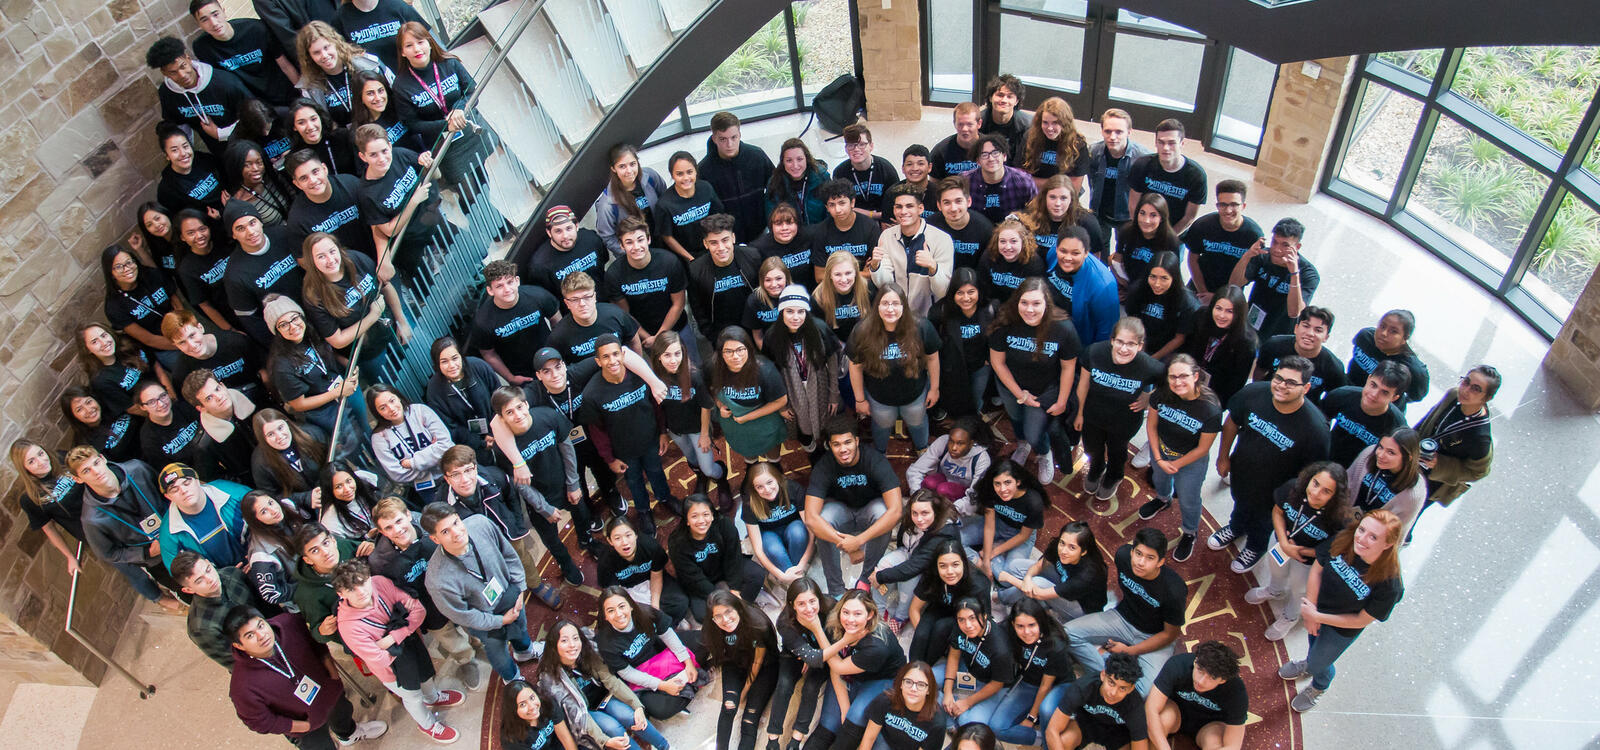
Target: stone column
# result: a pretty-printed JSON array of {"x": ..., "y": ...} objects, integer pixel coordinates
[
  {"x": 891, "y": 58},
  {"x": 1574, "y": 356},
  {"x": 1300, "y": 124}
]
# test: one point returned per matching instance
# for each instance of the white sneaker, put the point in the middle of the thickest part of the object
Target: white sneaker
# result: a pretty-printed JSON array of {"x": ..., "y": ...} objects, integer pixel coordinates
[
  {"x": 366, "y": 730},
  {"x": 1261, "y": 594},
  {"x": 1280, "y": 628},
  {"x": 1047, "y": 468},
  {"x": 1021, "y": 453},
  {"x": 1142, "y": 458}
]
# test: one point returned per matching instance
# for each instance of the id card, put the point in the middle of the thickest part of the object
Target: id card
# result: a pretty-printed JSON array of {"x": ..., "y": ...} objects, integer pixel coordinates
[
  {"x": 1256, "y": 317},
  {"x": 478, "y": 425},
  {"x": 424, "y": 485},
  {"x": 965, "y": 681},
  {"x": 577, "y": 435},
  {"x": 307, "y": 690},
  {"x": 492, "y": 591},
  {"x": 1276, "y": 553},
  {"x": 151, "y": 524},
  {"x": 457, "y": 135}
]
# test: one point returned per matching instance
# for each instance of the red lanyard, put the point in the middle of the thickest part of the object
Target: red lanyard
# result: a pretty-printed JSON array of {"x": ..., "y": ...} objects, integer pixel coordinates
[{"x": 437, "y": 97}]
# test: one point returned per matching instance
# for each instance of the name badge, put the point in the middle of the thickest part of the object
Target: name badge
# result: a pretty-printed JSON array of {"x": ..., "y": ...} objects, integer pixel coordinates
[
  {"x": 151, "y": 524},
  {"x": 1278, "y": 558},
  {"x": 458, "y": 135},
  {"x": 965, "y": 681},
  {"x": 307, "y": 690},
  {"x": 424, "y": 485},
  {"x": 492, "y": 591},
  {"x": 478, "y": 425},
  {"x": 577, "y": 435},
  {"x": 1256, "y": 317}
]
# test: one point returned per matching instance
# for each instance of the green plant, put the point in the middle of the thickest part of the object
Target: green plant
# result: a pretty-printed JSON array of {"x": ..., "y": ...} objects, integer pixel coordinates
[{"x": 799, "y": 10}]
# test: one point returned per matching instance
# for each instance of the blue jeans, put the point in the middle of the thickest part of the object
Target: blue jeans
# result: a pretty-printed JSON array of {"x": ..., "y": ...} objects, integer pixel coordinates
[
  {"x": 702, "y": 462},
  {"x": 786, "y": 549},
  {"x": 1030, "y": 422},
  {"x": 1018, "y": 557},
  {"x": 139, "y": 578},
  {"x": 980, "y": 713},
  {"x": 980, "y": 384},
  {"x": 615, "y": 717},
  {"x": 1007, "y": 717},
  {"x": 497, "y": 646},
  {"x": 1185, "y": 485},
  {"x": 861, "y": 693},
  {"x": 1326, "y": 648},
  {"x": 640, "y": 468},
  {"x": 1088, "y": 633},
  {"x": 915, "y": 415}
]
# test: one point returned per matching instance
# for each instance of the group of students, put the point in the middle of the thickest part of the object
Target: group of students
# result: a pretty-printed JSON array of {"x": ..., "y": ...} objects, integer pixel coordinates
[{"x": 741, "y": 307}]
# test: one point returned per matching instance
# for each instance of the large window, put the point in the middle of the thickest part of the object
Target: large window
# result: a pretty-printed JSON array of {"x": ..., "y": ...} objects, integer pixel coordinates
[
  {"x": 1489, "y": 157},
  {"x": 777, "y": 70}
]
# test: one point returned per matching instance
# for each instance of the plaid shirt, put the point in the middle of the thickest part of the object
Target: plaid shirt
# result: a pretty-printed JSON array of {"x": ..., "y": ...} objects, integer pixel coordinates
[
  {"x": 206, "y": 615},
  {"x": 1016, "y": 188}
]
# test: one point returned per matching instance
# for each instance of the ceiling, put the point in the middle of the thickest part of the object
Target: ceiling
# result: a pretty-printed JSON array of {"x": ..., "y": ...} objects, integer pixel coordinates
[{"x": 1331, "y": 28}]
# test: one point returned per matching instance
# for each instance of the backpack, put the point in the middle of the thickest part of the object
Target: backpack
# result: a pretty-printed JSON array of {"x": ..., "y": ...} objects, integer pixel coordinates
[{"x": 838, "y": 104}]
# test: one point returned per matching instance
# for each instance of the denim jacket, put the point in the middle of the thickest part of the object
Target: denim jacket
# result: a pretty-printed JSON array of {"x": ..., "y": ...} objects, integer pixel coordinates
[{"x": 1097, "y": 174}]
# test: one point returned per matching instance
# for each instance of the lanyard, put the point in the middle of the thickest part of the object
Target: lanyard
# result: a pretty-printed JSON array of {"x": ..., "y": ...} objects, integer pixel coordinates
[
  {"x": 138, "y": 304},
  {"x": 269, "y": 199},
  {"x": 405, "y": 421},
  {"x": 481, "y": 576},
  {"x": 1307, "y": 512},
  {"x": 316, "y": 360},
  {"x": 342, "y": 99},
  {"x": 147, "y": 503},
  {"x": 461, "y": 396},
  {"x": 872, "y": 171},
  {"x": 567, "y": 410},
  {"x": 436, "y": 96},
  {"x": 288, "y": 671},
  {"x": 1468, "y": 422}
]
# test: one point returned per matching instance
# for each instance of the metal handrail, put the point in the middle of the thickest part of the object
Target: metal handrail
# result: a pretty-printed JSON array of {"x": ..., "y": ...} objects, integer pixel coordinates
[
  {"x": 145, "y": 689},
  {"x": 487, "y": 71}
]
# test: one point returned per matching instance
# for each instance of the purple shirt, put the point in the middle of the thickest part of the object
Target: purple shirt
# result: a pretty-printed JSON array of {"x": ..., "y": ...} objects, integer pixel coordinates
[{"x": 998, "y": 201}]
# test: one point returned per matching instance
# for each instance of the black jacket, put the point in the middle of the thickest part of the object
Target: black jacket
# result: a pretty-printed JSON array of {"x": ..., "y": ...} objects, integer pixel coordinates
[
  {"x": 285, "y": 17},
  {"x": 702, "y": 280},
  {"x": 697, "y": 581},
  {"x": 465, "y": 401},
  {"x": 741, "y": 183}
]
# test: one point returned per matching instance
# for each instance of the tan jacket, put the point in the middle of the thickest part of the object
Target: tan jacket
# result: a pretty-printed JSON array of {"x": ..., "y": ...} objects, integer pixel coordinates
[{"x": 924, "y": 289}]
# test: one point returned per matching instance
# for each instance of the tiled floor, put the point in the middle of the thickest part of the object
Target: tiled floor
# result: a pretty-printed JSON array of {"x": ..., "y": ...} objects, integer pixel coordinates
[{"x": 1493, "y": 646}]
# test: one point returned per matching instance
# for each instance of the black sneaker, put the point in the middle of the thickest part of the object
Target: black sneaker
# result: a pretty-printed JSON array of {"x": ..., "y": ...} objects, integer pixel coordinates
[
  {"x": 1150, "y": 509},
  {"x": 1184, "y": 549},
  {"x": 1244, "y": 561},
  {"x": 572, "y": 573}
]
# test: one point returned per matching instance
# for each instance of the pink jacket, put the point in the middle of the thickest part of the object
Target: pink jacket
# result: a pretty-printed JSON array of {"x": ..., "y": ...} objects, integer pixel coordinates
[{"x": 361, "y": 636}]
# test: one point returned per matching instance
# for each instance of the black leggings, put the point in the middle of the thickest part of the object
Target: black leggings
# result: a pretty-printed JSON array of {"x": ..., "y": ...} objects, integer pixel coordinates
[
  {"x": 1107, "y": 448},
  {"x": 661, "y": 705},
  {"x": 755, "y": 701},
  {"x": 674, "y": 603},
  {"x": 752, "y": 576},
  {"x": 930, "y": 643},
  {"x": 791, "y": 673}
]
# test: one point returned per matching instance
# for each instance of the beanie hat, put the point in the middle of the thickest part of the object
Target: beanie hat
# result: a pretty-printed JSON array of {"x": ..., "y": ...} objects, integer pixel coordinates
[
  {"x": 278, "y": 306},
  {"x": 236, "y": 210},
  {"x": 794, "y": 296},
  {"x": 559, "y": 214},
  {"x": 171, "y": 473}
]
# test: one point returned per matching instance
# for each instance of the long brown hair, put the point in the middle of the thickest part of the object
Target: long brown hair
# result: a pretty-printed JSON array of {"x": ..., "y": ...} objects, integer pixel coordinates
[
  {"x": 1068, "y": 148},
  {"x": 620, "y": 197},
  {"x": 1409, "y": 442},
  {"x": 1387, "y": 565},
  {"x": 318, "y": 290},
  {"x": 1030, "y": 246},
  {"x": 757, "y": 502},
  {"x": 871, "y": 337},
  {"x": 827, "y": 297},
  {"x": 308, "y": 447},
  {"x": 1036, "y": 216},
  {"x": 126, "y": 351},
  {"x": 280, "y": 536},
  {"x": 1008, "y": 314},
  {"x": 737, "y": 649},
  {"x": 685, "y": 375},
  {"x": 36, "y": 488},
  {"x": 311, "y": 76},
  {"x": 588, "y": 659},
  {"x": 875, "y": 626},
  {"x": 943, "y": 513},
  {"x": 436, "y": 54},
  {"x": 897, "y": 695}
]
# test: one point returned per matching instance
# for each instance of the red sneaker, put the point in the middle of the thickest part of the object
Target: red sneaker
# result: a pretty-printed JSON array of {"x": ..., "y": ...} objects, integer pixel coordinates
[
  {"x": 448, "y": 698},
  {"x": 440, "y": 733}
]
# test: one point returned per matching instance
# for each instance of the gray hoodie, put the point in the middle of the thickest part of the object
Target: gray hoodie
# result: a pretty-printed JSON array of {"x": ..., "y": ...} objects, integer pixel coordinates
[{"x": 457, "y": 583}]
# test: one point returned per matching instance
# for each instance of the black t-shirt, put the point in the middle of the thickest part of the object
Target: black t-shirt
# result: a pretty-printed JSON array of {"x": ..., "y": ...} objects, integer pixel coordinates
[
  {"x": 1306, "y": 526},
  {"x": 1269, "y": 293},
  {"x": 759, "y": 314},
  {"x": 234, "y": 363},
  {"x": 1163, "y": 319},
  {"x": 515, "y": 334},
  {"x": 309, "y": 373},
  {"x": 1000, "y": 277},
  {"x": 1138, "y": 252},
  {"x": 949, "y": 157},
  {"x": 356, "y": 290},
  {"x": 1036, "y": 373},
  {"x": 1047, "y": 166},
  {"x": 143, "y": 305},
  {"x": 1024, "y": 511},
  {"x": 626, "y": 413},
  {"x": 339, "y": 215},
  {"x": 648, "y": 291},
  {"x": 1217, "y": 249},
  {"x": 114, "y": 384},
  {"x": 846, "y": 315},
  {"x": 878, "y": 655},
  {"x": 1342, "y": 591},
  {"x": 1150, "y": 605},
  {"x": 778, "y": 517},
  {"x": 969, "y": 331},
  {"x": 576, "y": 341},
  {"x": 200, "y": 277},
  {"x": 383, "y": 199},
  {"x": 857, "y": 485},
  {"x": 549, "y": 265},
  {"x": 768, "y": 387},
  {"x": 1103, "y": 723},
  {"x": 1043, "y": 659},
  {"x": 252, "y": 55},
  {"x": 895, "y": 388},
  {"x": 275, "y": 270},
  {"x": 682, "y": 410},
  {"x": 988, "y": 657},
  {"x": 648, "y": 557},
  {"x": 164, "y": 444},
  {"x": 1365, "y": 356},
  {"x": 63, "y": 503},
  {"x": 1180, "y": 188},
  {"x": 1081, "y": 582},
  {"x": 870, "y": 183},
  {"x": 718, "y": 292},
  {"x": 1228, "y": 703},
  {"x": 1180, "y": 424},
  {"x": 1272, "y": 446},
  {"x": 117, "y": 438},
  {"x": 540, "y": 447},
  {"x": 1352, "y": 429},
  {"x": 1327, "y": 370},
  {"x": 969, "y": 241},
  {"x": 796, "y": 255},
  {"x": 1113, "y": 387},
  {"x": 200, "y": 189},
  {"x": 377, "y": 31},
  {"x": 902, "y": 730},
  {"x": 620, "y": 650},
  {"x": 543, "y": 734},
  {"x": 827, "y": 238},
  {"x": 680, "y": 217}
]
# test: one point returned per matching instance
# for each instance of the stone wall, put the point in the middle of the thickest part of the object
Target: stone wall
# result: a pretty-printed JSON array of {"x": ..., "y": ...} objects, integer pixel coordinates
[
  {"x": 79, "y": 155},
  {"x": 1574, "y": 356},
  {"x": 1299, "y": 131},
  {"x": 891, "y": 58}
]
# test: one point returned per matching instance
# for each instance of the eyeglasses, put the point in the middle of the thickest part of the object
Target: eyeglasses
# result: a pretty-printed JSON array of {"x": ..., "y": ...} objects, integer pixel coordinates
[
  {"x": 576, "y": 298},
  {"x": 1125, "y": 344},
  {"x": 915, "y": 684},
  {"x": 857, "y": 146},
  {"x": 1281, "y": 380},
  {"x": 461, "y": 473},
  {"x": 1471, "y": 387},
  {"x": 1229, "y": 204},
  {"x": 732, "y": 350},
  {"x": 160, "y": 399},
  {"x": 990, "y": 155},
  {"x": 126, "y": 265}
]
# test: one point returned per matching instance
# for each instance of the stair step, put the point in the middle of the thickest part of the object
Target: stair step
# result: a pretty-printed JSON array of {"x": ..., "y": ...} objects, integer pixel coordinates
[
  {"x": 591, "y": 35},
  {"x": 542, "y": 63},
  {"x": 509, "y": 107},
  {"x": 643, "y": 29},
  {"x": 681, "y": 13}
]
